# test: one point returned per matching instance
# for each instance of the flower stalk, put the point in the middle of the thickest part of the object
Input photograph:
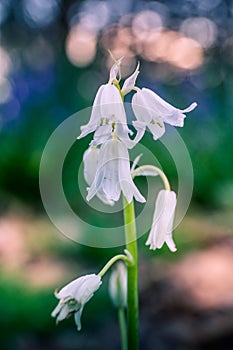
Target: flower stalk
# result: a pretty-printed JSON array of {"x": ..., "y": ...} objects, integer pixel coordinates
[
  {"x": 132, "y": 279},
  {"x": 126, "y": 258},
  {"x": 123, "y": 328},
  {"x": 152, "y": 171}
]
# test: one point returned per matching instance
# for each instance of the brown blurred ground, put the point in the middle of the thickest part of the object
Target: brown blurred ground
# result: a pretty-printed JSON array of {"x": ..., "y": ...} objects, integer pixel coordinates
[{"x": 186, "y": 301}]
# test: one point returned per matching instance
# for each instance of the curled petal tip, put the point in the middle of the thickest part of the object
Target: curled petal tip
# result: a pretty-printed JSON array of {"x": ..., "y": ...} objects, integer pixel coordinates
[
  {"x": 56, "y": 293},
  {"x": 190, "y": 108}
]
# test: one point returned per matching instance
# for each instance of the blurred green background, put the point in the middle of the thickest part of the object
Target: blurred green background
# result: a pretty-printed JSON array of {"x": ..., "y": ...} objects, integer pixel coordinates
[{"x": 53, "y": 57}]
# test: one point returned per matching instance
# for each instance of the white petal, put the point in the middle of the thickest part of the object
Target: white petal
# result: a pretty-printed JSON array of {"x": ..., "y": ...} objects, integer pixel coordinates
[
  {"x": 141, "y": 128},
  {"x": 57, "y": 309},
  {"x": 163, "y": 109},
  {"x": 103, "y": 130},
  {"x": 110, "y": 183},
  {"x": 161, "y": 230},
  {"x": 106, "y": 179},
  {"x": 112, "y": 105},
  {"x": 77, "y": 318},
  {"x": 90, "y": 160},
  {"x": 64, "y": 313},
  {"x": 96, "y": 185},
  {"x": 127, "y": 185},
  {"x": 95, "y": 114},
  {"x": 177, "y": 117},
  {"x": 171, "y": 205},
  {"x": 73, "y": 288},
  {"x": 123, "y": 132},
  {"x": 102, "y": 196},
  {"x": 69, "y": 289},
  {"x": 157, "y": 129},
  {"x": 129, "y": 83},
  {"x": 147, "y": 116},
  {"x": 170, "y": 243},
  {"x": 102, "y": 134},
  {"x": 140, "y": 108},
  {"x": 146, "y": 172},
  {"x": 190, "y": 108},
  {"x": 135, "y": 162},
  {"x": 130, "y": 190},
  {"x": 99, "y": 176},
  {"x": 114, "y": 71},
  {"x": 87, "y": 129},
  {"x": 86, "y": 288},
  {"x": 156, "y": 103}
]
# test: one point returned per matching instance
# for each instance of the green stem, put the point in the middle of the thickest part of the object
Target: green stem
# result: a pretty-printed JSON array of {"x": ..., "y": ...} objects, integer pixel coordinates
[
  {"x": 112, "y": 261},
  {"x": 122, "y": 323},
  {"x": 156, "y": 171},
  {"x": 132, "y": 284}
]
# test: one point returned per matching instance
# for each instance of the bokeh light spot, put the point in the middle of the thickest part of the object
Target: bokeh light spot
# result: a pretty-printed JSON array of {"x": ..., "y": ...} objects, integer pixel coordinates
[
  {"x": 185, "y": 53},
  {"x": 5, "y": 90},
  {"x": 40, "y": 13},
  {"x": 5, "y": 63},
  {"x": 91, "y": 12},
  {"x": 145, "y": 22},
  {"x": 81, "y": 45},
  {"x": 4, "y": 10},
  {"x": 201, "y": 29}
]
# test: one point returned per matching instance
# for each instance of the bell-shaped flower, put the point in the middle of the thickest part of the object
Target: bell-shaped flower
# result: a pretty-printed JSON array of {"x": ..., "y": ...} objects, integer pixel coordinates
[
  {"x": 107, "y": 112},
  {"x": 113, "y": 174},
  {"x": 152, "y": 111},
  {"x": 74, "y": 296},
  {"x": 161, "y": 230},
  {"x": 91, "y": 160},
  {"x": 118, "y": 285}
]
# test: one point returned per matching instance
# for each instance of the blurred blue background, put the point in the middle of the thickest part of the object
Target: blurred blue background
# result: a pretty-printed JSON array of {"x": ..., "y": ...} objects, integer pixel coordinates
[{"x": 53, "y": 57}]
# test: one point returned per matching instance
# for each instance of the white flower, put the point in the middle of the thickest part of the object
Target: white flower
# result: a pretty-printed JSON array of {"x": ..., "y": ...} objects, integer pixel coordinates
[
  {"x": 161, "y": 230},
  {"x": 91, "y": 160},
  {"x": 118, "y": 285},
  {"x": 152, "y": 111},
  {"x": 107, "y": 116},
  {"x": 74, "y": 296},
  {"x": 113, "y": 174}
]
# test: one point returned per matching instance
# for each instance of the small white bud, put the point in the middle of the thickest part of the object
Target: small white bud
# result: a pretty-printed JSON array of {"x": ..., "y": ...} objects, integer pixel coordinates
[{"x": 118, "y": 285}]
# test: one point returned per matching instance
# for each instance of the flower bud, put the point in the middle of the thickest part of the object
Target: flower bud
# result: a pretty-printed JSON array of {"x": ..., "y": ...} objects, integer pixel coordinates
[{"x": 118, "y": 285}]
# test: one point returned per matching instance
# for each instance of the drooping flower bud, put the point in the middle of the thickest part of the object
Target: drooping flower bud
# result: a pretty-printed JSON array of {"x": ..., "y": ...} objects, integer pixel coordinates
[
  {"x": 161, "y": 230},
  {"x": 74, "y": 296}
]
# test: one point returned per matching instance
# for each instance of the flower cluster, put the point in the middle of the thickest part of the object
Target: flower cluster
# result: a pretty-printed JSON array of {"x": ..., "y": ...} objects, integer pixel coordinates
[{"x": 106, "y": 162}]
